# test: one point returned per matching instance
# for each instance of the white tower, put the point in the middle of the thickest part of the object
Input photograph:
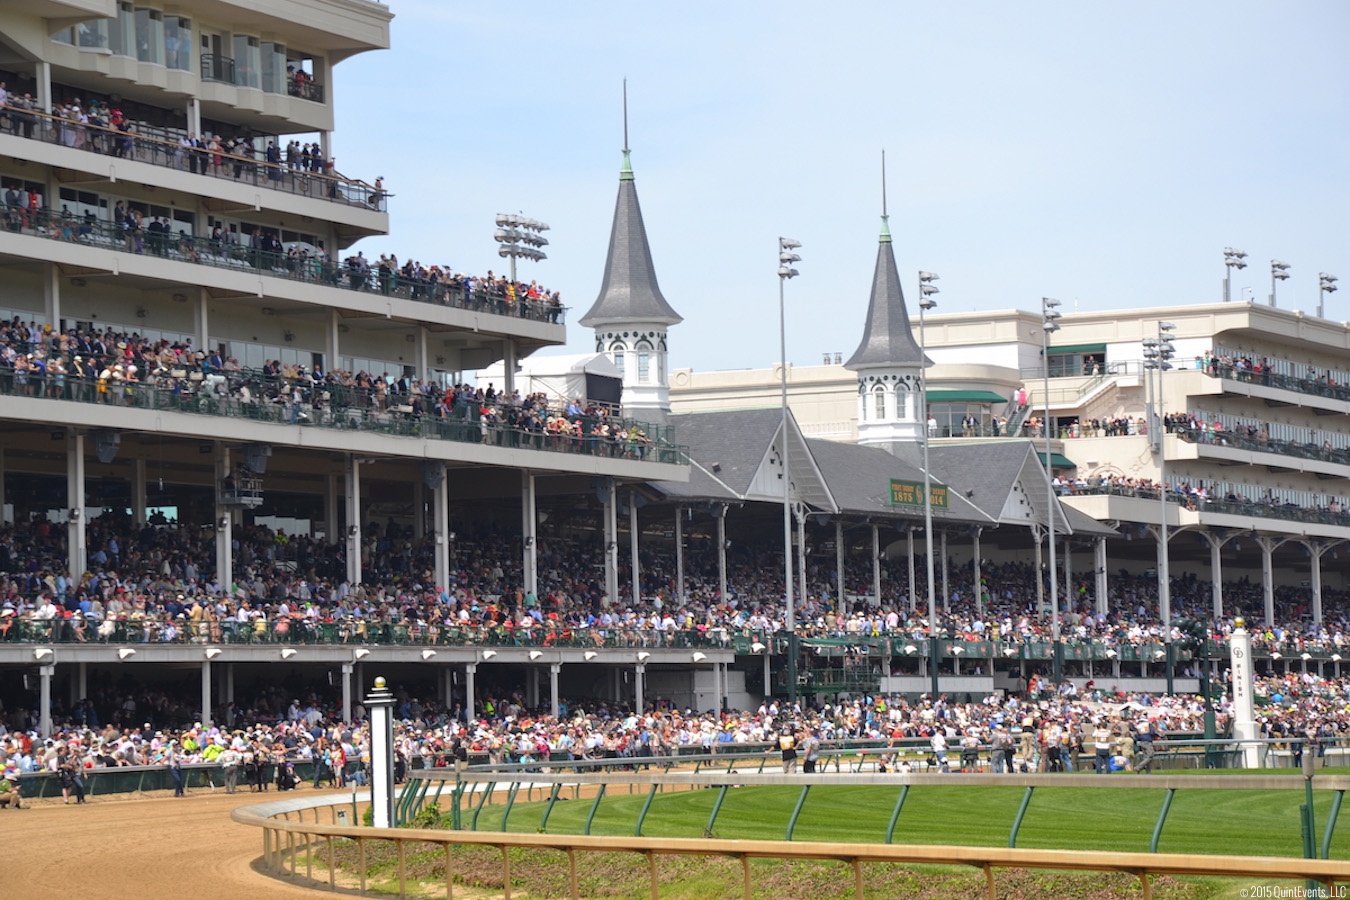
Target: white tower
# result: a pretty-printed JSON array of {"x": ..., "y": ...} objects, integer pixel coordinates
[
  {"x": 888, "y": 361},
  {"x": 630, "y": 317}
]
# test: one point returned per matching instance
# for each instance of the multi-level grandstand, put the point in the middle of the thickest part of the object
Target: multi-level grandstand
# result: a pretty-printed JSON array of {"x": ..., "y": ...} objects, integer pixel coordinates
[{"x": 238, "y": 453}]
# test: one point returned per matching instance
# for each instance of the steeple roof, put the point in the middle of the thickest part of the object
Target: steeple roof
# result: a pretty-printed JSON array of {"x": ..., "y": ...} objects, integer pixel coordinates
[
  {"x": 629, "y": 293},
  {"x": 887, "y": 339}
]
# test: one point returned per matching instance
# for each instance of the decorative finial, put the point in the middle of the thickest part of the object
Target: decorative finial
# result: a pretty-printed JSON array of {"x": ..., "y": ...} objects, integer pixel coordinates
[
  {"x": 380, "y": 683},
  {"x": 885, "y": 219},
  {"x": 1239, "y": 622},
  {"x": 626, "y": 173}
]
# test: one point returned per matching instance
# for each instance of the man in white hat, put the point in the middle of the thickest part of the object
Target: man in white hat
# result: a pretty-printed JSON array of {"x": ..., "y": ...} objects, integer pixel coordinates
[{"x": 9, "y": 790}]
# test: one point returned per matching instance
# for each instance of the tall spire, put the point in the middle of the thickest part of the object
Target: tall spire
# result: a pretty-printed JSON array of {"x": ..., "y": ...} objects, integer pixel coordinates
[
  {"x": 629, "y": 292},
  {"x": 887, "y": 338}
]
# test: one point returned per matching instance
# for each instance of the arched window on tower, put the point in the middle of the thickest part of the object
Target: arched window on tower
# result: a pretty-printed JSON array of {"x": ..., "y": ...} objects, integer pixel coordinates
[
  {"x": 879, "y": 402},
  {"x": 644, "y": 362},
  {"x": 619, "y": 353},
  {"x": 904, "y": 403}
]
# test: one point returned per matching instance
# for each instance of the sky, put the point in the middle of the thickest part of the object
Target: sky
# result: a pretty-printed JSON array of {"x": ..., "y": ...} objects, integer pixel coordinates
[{"x": 1102, "y": 154}]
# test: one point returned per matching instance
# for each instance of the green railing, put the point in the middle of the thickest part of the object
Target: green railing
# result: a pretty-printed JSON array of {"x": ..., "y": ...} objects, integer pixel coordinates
[
  {"x": 236, "y": 255},
  {"x": 190, "y": 392}
]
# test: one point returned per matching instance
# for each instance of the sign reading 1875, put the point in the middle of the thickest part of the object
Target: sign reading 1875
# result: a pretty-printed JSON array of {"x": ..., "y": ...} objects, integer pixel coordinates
[{"x": 910, "y": 493}]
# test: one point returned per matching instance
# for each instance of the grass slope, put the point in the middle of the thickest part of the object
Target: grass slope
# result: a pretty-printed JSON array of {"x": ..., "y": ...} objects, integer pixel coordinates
[{"x": 1122, "y": 820}]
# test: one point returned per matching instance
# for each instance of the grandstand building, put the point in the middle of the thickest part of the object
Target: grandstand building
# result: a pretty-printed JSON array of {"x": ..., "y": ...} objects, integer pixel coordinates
[{"x": 171, "y": 205}]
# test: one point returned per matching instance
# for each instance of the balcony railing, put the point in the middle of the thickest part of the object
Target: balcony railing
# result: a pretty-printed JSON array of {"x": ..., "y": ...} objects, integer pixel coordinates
[
  {"x": 1301, "y": 450},
  {"x": 217, "y": 68},
  {"x": 1230, "y": 504},
  {"x": 292, "y": 265},
  {"x": 163, "y": 147},
  {"x": 342, "y": 408},
  {"x": 304, "y": 87}
]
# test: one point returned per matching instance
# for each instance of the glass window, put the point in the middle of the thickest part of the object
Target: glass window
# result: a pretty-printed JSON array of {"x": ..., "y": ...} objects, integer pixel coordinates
[
  {"x": 178, "y": 43},
  {"x": 150, "y": 36},
  {"x": 274, "y": 68},
  {"x": 879, "y": 402},
  {"x": 122, "y": 31},
  {"x": 644, "y": 364},
  {"x": 64, "y": 36},
  {"x": 619, "y": 352},
  {"x": 93, "y": 35},
  {"x": 247, "y": 61}
]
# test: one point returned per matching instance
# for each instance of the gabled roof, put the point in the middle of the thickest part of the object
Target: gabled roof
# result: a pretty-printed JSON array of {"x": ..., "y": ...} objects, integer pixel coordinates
[
  {"x": 629, "y": 293},
  {"x": 887, "y": 339},
  {"x": 1005, "y": 478},
  {"x": 733, "y": 456},
  {"x": 859, "y": 479}
]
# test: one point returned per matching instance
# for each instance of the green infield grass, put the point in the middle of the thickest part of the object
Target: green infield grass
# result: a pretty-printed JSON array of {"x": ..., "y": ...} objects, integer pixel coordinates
[{"x": 1248, "y": 823}]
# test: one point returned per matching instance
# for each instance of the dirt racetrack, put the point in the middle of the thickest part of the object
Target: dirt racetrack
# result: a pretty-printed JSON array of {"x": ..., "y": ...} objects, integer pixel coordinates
[{"x": 157, "y": 846}]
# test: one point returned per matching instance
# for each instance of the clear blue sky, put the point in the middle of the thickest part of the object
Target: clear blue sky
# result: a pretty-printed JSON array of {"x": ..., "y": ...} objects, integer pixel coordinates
[{"x": 1101, "y": 154}]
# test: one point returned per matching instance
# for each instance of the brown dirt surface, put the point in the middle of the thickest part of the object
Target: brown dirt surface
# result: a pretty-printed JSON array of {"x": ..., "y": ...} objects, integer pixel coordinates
[{"x": 152, "y": 846}]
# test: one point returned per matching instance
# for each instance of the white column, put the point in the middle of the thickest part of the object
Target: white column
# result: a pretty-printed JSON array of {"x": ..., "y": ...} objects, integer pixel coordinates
[
  {"x": 611, "y": 513},
  {"x": 470, "y": 683},
  {"x": 975, "y": 568},
  {"x": 1244, "y": 717},
  {"x": 1069, "y": 598},
  {"x": 440, "y": 528},
  {"x": 347, "y": 692},
  {"x": 194, "y": 116},
  {"x": 639, "y": 674},
  {"x": 1268, "y": 546},
  {"x": 721, "y": 514},
  {"x": 529, "y": 537},
  {"x": 635, "y": 571},
  {"x": 79, "y": 685},
  {"x": 1037, "y": 533},
  {"x": 1216, "y": 543},
  {"x": 380, "y": 708},
  {"x": 419, "y": 505},
  {"x": 909, "y": 554},
  {"x": 679, "y": 550},
  {"x": 224, "y": 520},
  {"x": 77, "y": 553},
  {"x": 201, "y": 320},
  {"x": 554, "y": 669},
  {"x": 946, "y": 590},
  {"x": 508, "y": 366},
  {"x": 1315, "y": 550},
  {"x": 138, "y": 490},
  {"x": 330, "y": 509},
  {"x": 876, "y": 564},
  {"x": 420, "y": 358},
  {"x": 332, "y": 350},
  {"x": 229, "y": 682},
  {"x": 839, "y": 561},
  {"x": 326, "y": 144},
  {"x": 804, "y": 596},
  {"x": 1099, "y": 570},
  {"x": 43, "y": 73},
  {"x": 45, "y": 674},
  {"x": 532, "y": 687},
  {"x": 206, "y": 693},
  {"x": 353, "y": 535},
  {"x": 51, "y": 286}
]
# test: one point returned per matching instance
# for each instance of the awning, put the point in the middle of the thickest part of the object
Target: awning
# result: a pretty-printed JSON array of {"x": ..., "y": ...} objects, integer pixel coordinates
[
  {"x": 1059, "y": 461},
  {"x": 1077, "y": 348},
  {"x": 965, "y": 397}
]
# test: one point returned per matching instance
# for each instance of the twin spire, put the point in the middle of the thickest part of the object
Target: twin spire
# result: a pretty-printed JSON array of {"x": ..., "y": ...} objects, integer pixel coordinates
[
  {"x": 887, "y": 339},
  {"x": 629, "y": 293}
]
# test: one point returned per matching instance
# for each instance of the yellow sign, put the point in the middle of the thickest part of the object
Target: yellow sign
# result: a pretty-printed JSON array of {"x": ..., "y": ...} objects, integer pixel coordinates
[{"x": 910, "y": 493}]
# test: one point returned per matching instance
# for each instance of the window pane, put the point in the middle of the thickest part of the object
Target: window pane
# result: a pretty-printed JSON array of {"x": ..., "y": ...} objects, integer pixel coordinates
[
  {"x": 122, "y": 31},
  {"x": 150, "y": 36},
  {"x": 273, "y": 68},
  {"x": 178, "y": 43},
  {"x": 247, "y": 61}
]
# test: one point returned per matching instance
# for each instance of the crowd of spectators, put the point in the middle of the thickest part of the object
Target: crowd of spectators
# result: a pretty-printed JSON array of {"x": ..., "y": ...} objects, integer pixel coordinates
[
  {"x": 262, "y": 742},
  {"x": 120, "y": 368}
]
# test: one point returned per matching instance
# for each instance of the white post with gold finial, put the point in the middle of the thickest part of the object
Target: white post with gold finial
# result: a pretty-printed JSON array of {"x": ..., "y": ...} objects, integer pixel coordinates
[
  {"x": 1244, "y": 715},
  {"x": 380, "y": 704}
]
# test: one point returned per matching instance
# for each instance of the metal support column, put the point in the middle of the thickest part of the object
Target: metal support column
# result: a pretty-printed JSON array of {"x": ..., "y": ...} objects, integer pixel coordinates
[
  {"x": 353, "y": 536},
  {"x": 839, "y": 562},
  {"x": 206, "y": 694},
  {"x": 679, "y": 553},
  {"x": 635, "y": 568},
  {"x": 554, "y": 670},
  {"x": 78, "y": 550},
  {"x": 529, "y": 519},
  {"x": 470, "y": 680},
  {"x": 876, "y": 565},
  {"x": 1099, "y": 571}
]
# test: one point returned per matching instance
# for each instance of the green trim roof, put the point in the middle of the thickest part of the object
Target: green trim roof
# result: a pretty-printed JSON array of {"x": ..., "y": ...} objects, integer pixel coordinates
[
  {"x": 1058, "y": 460},
  {"x": 965, "y": 397},
  {"x": 1077, "y": 348}
]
